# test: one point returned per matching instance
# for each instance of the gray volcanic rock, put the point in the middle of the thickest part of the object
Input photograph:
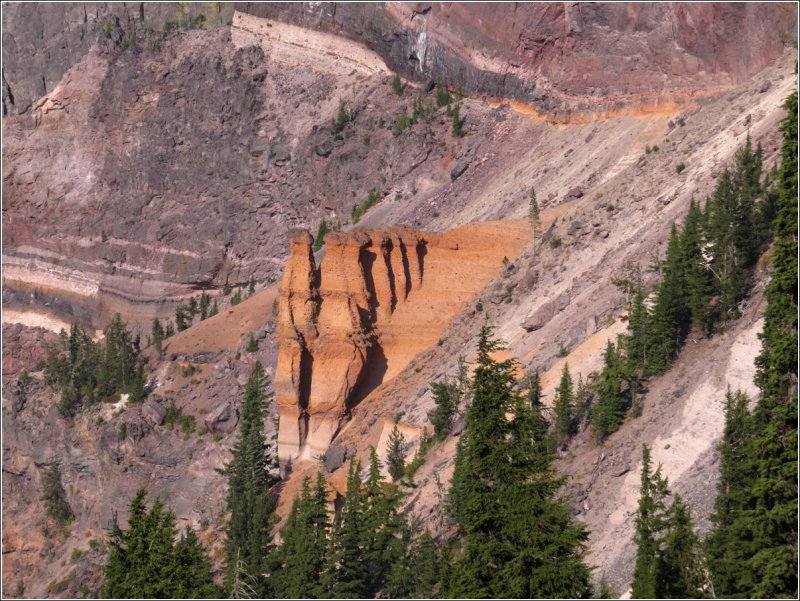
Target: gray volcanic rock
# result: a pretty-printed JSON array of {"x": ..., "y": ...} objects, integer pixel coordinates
[{"x": 42, "y": 40}]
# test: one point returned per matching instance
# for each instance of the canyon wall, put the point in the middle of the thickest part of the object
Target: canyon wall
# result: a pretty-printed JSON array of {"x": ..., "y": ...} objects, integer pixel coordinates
[
  {"x": 377, "y": 300},
  {"x": 567, "y": 59}
]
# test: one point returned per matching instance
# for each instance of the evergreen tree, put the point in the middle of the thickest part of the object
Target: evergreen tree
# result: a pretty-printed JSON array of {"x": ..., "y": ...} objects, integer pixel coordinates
[
  {"x": 249, "y": 502},
  {"x": 183, "y": 318},
  {"x": 417, "y": 574},
  {"x": 252, "y": 344},
  {"x": 670, "y": 312},
  {"x": 728, "y": 544},
  {"x": 192, "y": 572},
  {"x": 192, "y": 308},
  {"x": 203, "y": 305},
  {"x": 299, "y": 563},
  {"x": 54, "y": 495},
  {"x": 533, "y": 208},
  {"x": 518, "y": 538},
  {"x": 668, "y": 557},
  {"x": 455, "y": 117},
  {"x": 637, "y": 340},
  {"x": 698, "y": 279},
  {"x": 157, "y": 333},
  {"x": 747, "y": 187},
  {"x": 651, "y": 522},
  {"x": 563, "y": 407},
  {"x": 533, "y": 385},
  {"x": 169, "y": 330},
  {"x": 251, "y": 286},
  {"x": 396, "y": 454},
  {"x": 773, "y": 491},
  {"x": 609, "y": 408},
  {"x": 446, "y": 395},
  {"x": 681, "y": 570},
  {"x": 214, "y": 309},
  {"x": 382, "y": 541},
  {"x": 346, "y": 573},
  {"x": 146, "y": 562}
]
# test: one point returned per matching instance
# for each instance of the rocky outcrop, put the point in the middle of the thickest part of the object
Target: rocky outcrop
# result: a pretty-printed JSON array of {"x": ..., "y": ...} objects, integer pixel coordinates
[
  {"x": 378, "y": 299},
  {"x": 42, "y": 41},
  {"x": 567, "y": 59},
  {"x": 24, "y": 348}
]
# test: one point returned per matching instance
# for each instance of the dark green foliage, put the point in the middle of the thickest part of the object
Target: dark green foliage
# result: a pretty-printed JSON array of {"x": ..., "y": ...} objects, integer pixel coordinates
[
  {"x": 610, "y": 406},
  {"x": 54, "y": 496},
  {"x": 533, "y": 210},
  {"x": 192, "y": 308},
  {"x": 446, "y": 395},
  {"x": 698, "y": 280},
  {"x": 157, "y": 333},
  {"x": 668, "y": 559},
  {"x": 203, "y": 305},
  {"x": 319, "y": 239},
  {"x": 401, "y": 123},
  {"x": 146, "y": 562},
  {"x": 373, "y": 198},
  {"x": 563, "y": 407},
  {"x": 88, "y": 372},
  {"x": 382, "y": 541},
  {"x": 670, "y": 310},
  {"x": 680, "y": 167},
  {"x": 457, "y": 123},
  {"x": 249, "y": 475},
  {"x": 753, "y": 546},
  {"x": 420, "y": 110},
  {"x": 346, "y": 573},
  {"x": 777, "y": 363},
  {"x": 518, "y": 538},
  {"x": 252, "y": 344},
  {"x": 343, "y": 117},
  {"x": 183, "y": 317},
  {"x": 236, "y": 298},
  {"x": 417, "y": 574},
  {"x": 214, "y": 309},
  {"x": 396, "y": 454},
  {"x": 681, "y": 567},
  {"x": 706, "y": 269},
  {"x": 251, "y": 286},
  {"x": 397, "y": 85},
  {"x": 169, "y": 330},
  {"x": 443, "y": 97},
  {"x": 728, "y": 543},
  {"x": 298, "y": 565},
  {"x": 637, "y": 340}
]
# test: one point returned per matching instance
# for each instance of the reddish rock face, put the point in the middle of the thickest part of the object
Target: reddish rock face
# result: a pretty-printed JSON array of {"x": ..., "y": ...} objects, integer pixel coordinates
[
  {"x": 377, "y": 300},
  {"x": 567, "y": 59}
]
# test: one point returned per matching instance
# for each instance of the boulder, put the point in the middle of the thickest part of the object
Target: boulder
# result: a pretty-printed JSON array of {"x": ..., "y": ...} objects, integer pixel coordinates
[
  {"x": 458, "y": 170},
  {"x": 222, "y": 418},
  {"x": 575, "y": 192},
  {"x": 153, "y": 412},
  {"x": 540, "y": 318}
]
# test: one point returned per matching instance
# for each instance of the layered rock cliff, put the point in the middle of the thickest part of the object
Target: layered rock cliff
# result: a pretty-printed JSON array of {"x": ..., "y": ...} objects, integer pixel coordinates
[
  {"x": 567, "y": 59},
  {"x": 378, "y": 299}
]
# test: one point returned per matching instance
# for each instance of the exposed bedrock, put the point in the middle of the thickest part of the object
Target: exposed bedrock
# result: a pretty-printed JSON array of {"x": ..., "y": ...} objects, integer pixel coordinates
[
  {"x": 377, "y": 300},
  {"x": 566, "y": 58}
]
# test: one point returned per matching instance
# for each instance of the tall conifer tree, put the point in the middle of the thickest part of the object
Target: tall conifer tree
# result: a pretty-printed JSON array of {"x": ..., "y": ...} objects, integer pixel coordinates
[
  {"x": 249, "y": 538},
  {"x": 518, "y": 538}
]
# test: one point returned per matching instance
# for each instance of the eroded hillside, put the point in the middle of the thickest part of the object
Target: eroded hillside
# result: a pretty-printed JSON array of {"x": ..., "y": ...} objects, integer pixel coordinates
[{"x": 189, "y": 162}]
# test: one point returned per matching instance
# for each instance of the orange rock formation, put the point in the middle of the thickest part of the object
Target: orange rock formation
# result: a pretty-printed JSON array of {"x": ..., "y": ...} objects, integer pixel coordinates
[{"x": 378, "y": 299}]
